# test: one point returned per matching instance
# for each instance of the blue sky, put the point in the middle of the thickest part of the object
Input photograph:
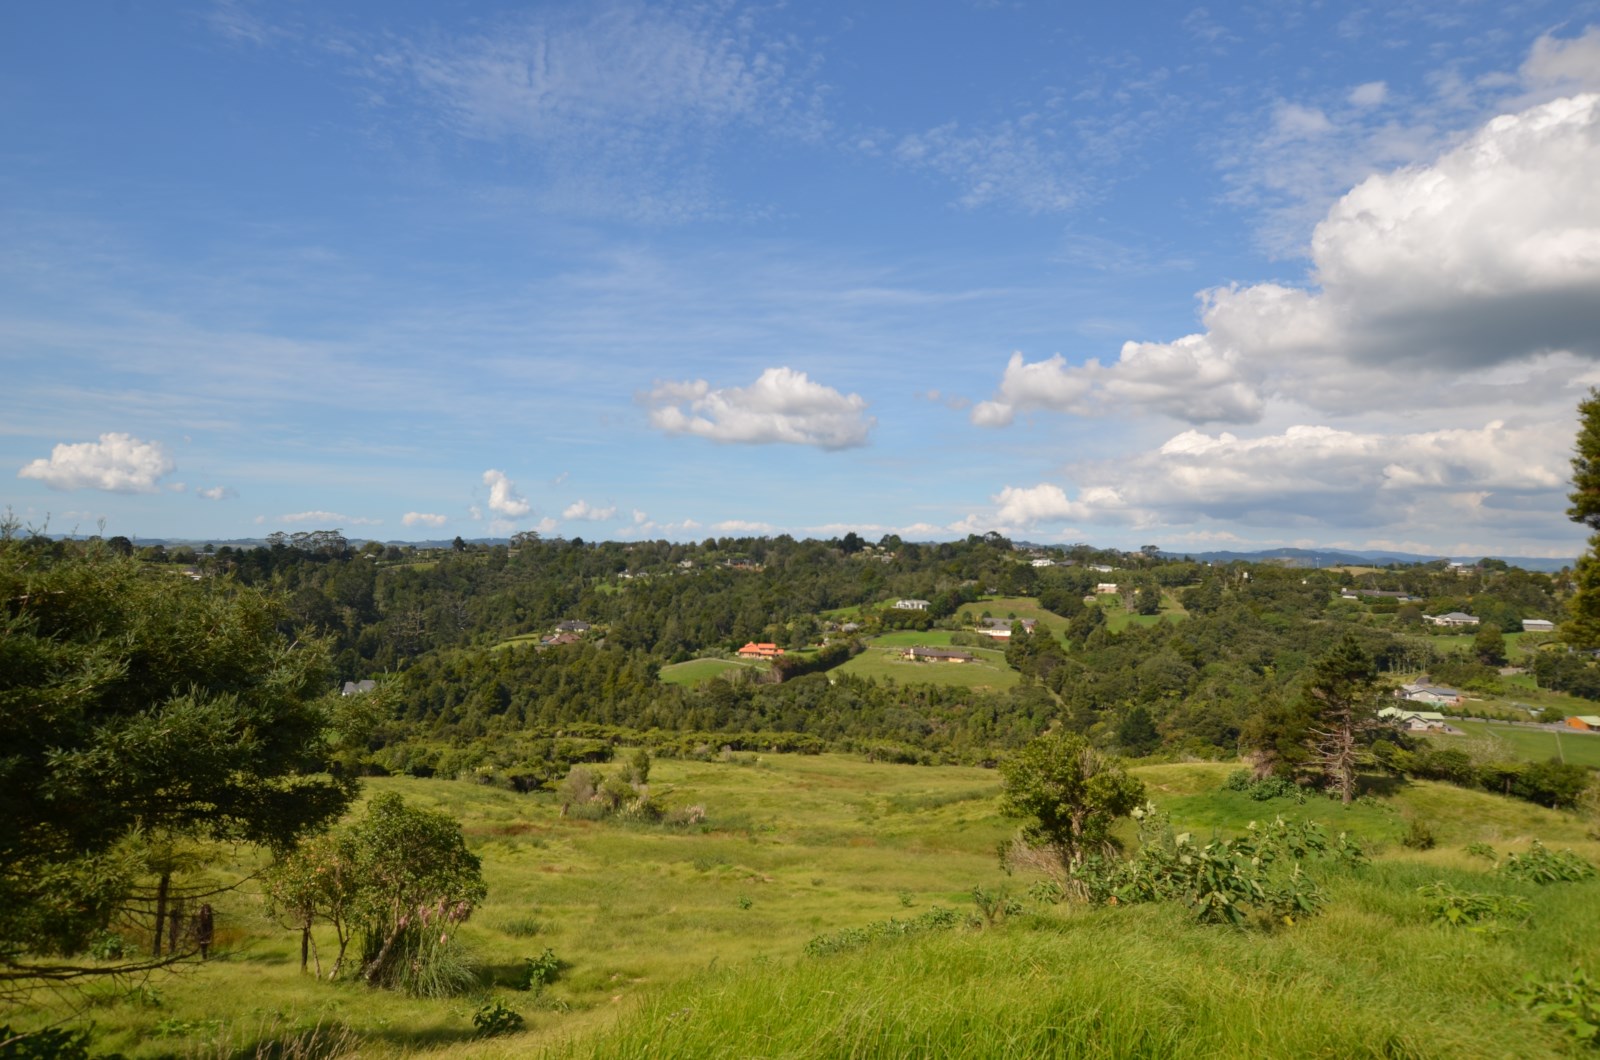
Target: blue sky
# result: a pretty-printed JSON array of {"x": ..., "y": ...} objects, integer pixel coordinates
[{"x": 1222, "y": 277}]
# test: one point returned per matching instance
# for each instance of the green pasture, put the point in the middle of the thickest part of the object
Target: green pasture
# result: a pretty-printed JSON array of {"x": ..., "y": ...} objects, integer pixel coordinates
[
  {"x": 989, "y": 670},
  {"x": 1530, "y": 744},
  {"x": 1119, "y": 618},
  {"x": 691, "y": 942},
  {"x": 910, "y": 638},
  {"x": 697, "y": 670}
]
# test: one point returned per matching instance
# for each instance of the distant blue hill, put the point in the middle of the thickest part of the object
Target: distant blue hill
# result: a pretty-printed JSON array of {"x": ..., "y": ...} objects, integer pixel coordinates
[{"x": 1307, "y": 557}]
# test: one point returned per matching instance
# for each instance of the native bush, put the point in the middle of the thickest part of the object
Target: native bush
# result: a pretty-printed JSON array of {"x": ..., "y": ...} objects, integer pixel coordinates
[
  {"x": 1542, "y": 865},
  {"x": 1475, "y": 910}
]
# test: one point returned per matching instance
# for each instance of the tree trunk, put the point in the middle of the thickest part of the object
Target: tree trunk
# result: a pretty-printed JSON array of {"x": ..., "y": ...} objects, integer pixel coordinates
[{"x": 161, "y": 910}]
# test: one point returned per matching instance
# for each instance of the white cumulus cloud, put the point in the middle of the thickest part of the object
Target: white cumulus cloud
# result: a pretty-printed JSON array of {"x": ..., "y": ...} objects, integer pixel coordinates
[
  {"x": 216, "y": 493},
  {"x": 582, "y": 509},
  {"x": 1427, "y": 276},
  {"x": 781, "y": 406},
  {"x": 424, "y": 519},
  {"x": 504, "y": 500},
  {"x": 118, "y": 463}
]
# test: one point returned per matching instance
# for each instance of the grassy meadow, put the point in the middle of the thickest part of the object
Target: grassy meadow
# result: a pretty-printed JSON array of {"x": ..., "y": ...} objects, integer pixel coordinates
[
  {"x": 691, "y": 942},
  {"x": 1530, "y": 744},
  {"x": 697, "y": 670},
  {"x": 882, "y": 660}
]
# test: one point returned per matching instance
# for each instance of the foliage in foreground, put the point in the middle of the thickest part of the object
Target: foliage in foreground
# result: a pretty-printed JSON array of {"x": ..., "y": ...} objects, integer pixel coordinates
[
  {"x": 1256, "y": 877},
  {"x": 142, "y": 716},
  {"x": 1573, "y": 1004},
  {"x": 399, "y": 879}
]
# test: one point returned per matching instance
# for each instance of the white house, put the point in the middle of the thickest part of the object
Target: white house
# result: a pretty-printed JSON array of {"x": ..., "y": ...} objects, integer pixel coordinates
[
  {"x": 1538, "y": 625},
  {"x": 1453, "y": 618},
  {"x": 1416, "y": 720},
  {"x": 911, "y": 605},
  {"x": 1434, "y": 695},
  {"x": 1105, "y": 588}
]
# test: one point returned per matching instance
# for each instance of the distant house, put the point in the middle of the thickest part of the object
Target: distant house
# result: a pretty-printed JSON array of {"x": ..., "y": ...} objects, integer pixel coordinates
[
  {"x": 356, "y": 688},
  {"x": 1101, "y": 567},
  {"x": 1538, "y": 625},
  {"x": 1416, "y": 720},
  {"x": 1105, "y": 588},
  {"x": 911, "y": 605},
  {"x": 1585, "y": 722},
  {"x": 1436, "y": 695},
  {"x": 560, "y": 639},
  {"x": 760, "y": 651},
  {"x": 1000, "y": 628},
  {"x": 1453, "y": 618},
  {"x": 1380, "y": 594},
  {"x": 1044, "y": 563},
  {"x": 850, "y": 627},
  {"x": 573, "y": 626},
  {"x": 937, "y": 655}
]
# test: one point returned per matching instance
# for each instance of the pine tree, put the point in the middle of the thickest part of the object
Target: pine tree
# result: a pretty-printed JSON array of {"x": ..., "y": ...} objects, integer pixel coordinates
[
  {"x": 1342, "y": 702},
  {"x": 1582, "y": 630}
]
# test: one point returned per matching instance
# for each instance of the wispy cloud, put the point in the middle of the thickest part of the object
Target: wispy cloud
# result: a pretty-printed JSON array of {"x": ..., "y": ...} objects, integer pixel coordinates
[{"x": 326, "y": 519}]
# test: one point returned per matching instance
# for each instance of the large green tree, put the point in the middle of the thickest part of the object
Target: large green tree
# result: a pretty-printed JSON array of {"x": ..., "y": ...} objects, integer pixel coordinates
[
  {"x": 139, "y": 711},
  {"x": 1068, "y": 794}
]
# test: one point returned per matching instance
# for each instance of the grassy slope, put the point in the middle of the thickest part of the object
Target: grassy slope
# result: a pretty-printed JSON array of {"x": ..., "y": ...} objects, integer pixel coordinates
[
  {"x": 1531, "y": 745},
  {"x": 884, "y": 663},
  {"x": 650, "y": 924},
  {"x": 696, "y": 670}
]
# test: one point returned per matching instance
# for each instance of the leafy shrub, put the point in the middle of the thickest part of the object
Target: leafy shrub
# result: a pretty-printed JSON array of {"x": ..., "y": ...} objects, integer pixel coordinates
[
  {"x": 496, "y": 1017},
  {"x": 1419, "y": 836},
  {"x": 1473, "y": 909},
  {"x": 1575, "y": 1004},
  {"x": 993, "y": 906},
  {"x": 1481, "y": 850},
  {"x": 1271, "y": 787},
  {"x": 53, "y": 1043},
  {"x": 1542, "y": 865},
  {"x": 1228, "y": 881},
  {"x": 538, "y": 972},
  {"x": 108, "y": 946}
]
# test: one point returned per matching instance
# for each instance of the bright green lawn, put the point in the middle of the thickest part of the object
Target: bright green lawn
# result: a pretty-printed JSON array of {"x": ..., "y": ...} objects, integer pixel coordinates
[
  {"x": 1531, "y": 745},
  {"x": 697, "y": 670},
  {"x": 989, "y": 670}
]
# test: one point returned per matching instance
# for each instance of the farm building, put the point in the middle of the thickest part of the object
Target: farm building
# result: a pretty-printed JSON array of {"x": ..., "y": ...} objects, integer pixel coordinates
[{"x": 1584, "y": 722}]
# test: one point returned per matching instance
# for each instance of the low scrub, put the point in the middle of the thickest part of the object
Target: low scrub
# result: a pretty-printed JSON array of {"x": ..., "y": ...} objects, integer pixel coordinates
[{"x": 1475, "y": 910}]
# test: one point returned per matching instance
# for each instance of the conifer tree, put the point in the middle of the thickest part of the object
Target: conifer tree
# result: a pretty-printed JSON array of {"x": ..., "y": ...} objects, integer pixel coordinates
[{"x": 1582, "y": 630}]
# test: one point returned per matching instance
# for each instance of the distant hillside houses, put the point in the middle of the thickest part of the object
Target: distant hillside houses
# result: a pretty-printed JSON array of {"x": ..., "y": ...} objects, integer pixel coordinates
[
  {"x": 912, "y": 605},
  {"x": 1538, "y": 625},
  {"x": 1453, "y": 618},
  {"x": 1000, "y": 628},
  {"x": 763, "y": 650},
  {"x": 1379, "y": 594}
]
